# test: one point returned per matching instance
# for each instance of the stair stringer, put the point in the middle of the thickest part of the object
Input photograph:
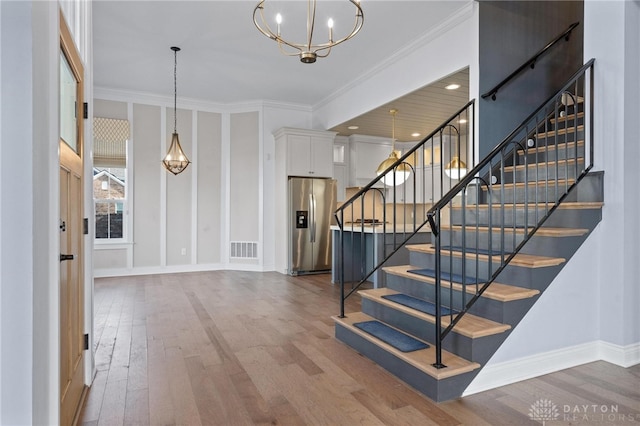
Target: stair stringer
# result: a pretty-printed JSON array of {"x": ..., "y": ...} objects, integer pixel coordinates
[
  {"x": 519, "y": 358},
  {"x": 587, "y": 190}
]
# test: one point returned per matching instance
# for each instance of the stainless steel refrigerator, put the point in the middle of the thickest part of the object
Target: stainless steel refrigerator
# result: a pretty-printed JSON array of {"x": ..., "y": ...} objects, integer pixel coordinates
[{"x": 312, "y": 202}]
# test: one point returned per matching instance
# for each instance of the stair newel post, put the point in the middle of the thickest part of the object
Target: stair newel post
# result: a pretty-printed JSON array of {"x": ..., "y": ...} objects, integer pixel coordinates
[
  {"x": 589, "y": 111},
  {"x": 435, "y": 229},
  {"x": 340, "y": 221},
  {"x": 464, "y": 256}
]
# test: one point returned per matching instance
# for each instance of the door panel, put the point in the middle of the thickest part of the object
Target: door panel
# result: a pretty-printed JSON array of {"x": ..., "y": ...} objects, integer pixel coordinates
[
  {"x": 324, "y": 191},
  {"x": 71, "y": 288},
  {"x": 300, "y": 225}
]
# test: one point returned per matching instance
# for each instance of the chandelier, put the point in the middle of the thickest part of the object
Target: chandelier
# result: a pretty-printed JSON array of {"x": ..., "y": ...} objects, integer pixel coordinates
[
  {"x": 175, "y": 161},
  {"x": 401, "y": 172},
  {"x": 307, "y": 51}
]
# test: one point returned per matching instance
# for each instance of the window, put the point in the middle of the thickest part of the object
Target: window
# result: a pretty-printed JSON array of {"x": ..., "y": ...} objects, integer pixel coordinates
[{"x": 110, "y": 137}]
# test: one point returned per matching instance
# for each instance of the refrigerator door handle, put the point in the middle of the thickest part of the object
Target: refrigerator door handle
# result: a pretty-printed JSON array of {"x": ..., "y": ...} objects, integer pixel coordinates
[{"x": 312, "y": 211}]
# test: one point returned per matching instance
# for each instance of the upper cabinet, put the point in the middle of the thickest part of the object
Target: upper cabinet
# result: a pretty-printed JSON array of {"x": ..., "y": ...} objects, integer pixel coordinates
[
  {"x": 365, "y": 155},
  {"x": 308, "y": 152}
]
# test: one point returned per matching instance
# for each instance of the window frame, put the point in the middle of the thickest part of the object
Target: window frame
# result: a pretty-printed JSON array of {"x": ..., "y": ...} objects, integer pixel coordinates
[{"x": 113, "y": 201}]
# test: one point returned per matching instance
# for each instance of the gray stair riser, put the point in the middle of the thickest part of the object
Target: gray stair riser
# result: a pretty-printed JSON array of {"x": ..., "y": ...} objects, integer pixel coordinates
[
  {"x": 533, "y": 278},
  {"x": 559, "y": 218},
  {"x": 589, "y": 189},
  {"x": 561, "y": 124},
  {"x": 477, "y": 350},
  {"x": 518, "y": 194},
  {"x": 538, "y": 245},
  {"x": 502, "y": 312},
  {"x": 542, "y": 139},
  {"x": 543, "y": 172},
  {"x": 437, "y": 390},
  {"x": 552, "y": 154}
]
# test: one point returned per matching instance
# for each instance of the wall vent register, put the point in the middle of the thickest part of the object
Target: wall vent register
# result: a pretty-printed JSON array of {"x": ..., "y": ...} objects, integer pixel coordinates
[{"x": 243, "y": 250}]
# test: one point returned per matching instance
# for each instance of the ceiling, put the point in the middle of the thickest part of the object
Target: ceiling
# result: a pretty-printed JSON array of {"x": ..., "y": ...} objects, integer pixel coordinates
[{"x": 225, "y": 60}]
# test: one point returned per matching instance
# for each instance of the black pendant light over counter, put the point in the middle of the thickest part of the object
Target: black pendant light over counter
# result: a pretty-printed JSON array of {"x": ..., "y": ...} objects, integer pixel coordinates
[{"x": 175, "y": 161}]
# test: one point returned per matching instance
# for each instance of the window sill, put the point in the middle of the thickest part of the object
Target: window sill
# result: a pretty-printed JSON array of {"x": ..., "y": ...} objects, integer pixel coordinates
[{"x": 111, "y": 245}]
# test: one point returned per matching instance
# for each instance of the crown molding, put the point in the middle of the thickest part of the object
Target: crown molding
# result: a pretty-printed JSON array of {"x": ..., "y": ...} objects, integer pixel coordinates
[{"x": 146, "y": 98}]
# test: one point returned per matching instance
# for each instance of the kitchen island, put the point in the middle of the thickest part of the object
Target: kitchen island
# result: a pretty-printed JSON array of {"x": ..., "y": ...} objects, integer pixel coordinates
[{"x": 371, "y": 242}]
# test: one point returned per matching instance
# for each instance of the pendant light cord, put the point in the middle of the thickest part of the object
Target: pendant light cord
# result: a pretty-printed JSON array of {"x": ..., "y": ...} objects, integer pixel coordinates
[
  {"x": 393, "y": 113},
  {"x": 175, "y": 90}
]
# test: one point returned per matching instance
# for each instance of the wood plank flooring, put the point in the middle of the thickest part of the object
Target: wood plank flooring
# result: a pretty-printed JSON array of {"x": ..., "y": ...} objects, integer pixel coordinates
[{"x": 243, "y": 348}]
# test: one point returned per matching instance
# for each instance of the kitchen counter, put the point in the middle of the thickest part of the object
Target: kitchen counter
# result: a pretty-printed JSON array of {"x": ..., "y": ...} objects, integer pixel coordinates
[
  {"x": 379, "y": 228},
  {"x": 374, "y": 243}
]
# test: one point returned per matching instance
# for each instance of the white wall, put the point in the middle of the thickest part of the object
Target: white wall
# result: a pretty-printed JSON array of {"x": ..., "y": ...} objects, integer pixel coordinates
[
  {"x": 29, "y": 248},
  {"x": 590, "y": 311},
  {"x": 16, "y": 246},
  {"x": 220, "y": 198}
]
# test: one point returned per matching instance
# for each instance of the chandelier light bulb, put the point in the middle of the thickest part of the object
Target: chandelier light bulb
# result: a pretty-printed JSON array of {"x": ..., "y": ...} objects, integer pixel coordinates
[{"x": 330, "y": 23}]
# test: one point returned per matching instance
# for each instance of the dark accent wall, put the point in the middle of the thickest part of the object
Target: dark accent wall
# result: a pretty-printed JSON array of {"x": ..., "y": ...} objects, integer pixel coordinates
[{"x": 510, "y": 33}]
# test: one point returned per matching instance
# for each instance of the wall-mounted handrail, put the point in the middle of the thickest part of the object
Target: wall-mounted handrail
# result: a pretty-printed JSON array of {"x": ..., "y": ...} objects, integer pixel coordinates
[{"x": 531, "y": 62}]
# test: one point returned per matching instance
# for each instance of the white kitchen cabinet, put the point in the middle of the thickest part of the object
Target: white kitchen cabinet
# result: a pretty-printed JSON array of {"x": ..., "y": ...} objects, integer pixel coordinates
[
  {"x": 366, "y": 154},
  {"x": 308, "y": 152}
]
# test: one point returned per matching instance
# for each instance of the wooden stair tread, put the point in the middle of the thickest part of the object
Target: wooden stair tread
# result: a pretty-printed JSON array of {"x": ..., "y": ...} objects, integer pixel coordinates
[
  {"x": 520, "y": 259},
  {"x": 561, "y": 182},
  {"x": 495, "y": 291},
  {"x": 559, "y": 163},
  {"x": 421, "y": 359},
  {"x": 541, "y": 232},
  {"x": 561, "y": 131},
  {"x": 469, "y": 325},
  {"x": 555, "y": 147},
  {"x": 569, "y": 205},
  {"x": 567, "y": 117}
]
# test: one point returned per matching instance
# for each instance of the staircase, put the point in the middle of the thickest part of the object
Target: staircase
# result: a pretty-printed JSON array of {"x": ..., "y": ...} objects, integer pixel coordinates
[{"x": 499, "y": 238}]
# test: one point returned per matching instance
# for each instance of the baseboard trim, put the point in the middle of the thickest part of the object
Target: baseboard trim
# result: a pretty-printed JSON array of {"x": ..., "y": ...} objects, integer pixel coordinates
[
  {"x": 624, "y": 356},
  {"x": 175, "y": 269},
  {"x": 508, "y": 372}
]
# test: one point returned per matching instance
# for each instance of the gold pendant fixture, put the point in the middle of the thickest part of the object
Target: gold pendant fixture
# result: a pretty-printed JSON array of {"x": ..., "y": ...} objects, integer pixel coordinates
[
  {"x": 401, "y": 172},
  {"x": 456, "y": 168},
  {"x": 176, "y": 160}
]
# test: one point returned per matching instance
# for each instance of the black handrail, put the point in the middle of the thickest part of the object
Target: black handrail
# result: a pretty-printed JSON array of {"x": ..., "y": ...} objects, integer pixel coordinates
[
  {"x": 417, "y": 225},
  {"x": 473, "y": 173},
  {"x": 531, "y": 62},
  {"x": 433, "y": 215}
]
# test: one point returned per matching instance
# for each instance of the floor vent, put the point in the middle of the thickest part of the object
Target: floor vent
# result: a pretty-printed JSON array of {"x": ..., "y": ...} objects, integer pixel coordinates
[{"x": 244, "y": 250}]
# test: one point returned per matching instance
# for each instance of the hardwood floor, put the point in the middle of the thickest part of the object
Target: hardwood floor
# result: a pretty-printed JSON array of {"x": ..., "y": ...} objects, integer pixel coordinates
[{"x": 242, "y": 348}]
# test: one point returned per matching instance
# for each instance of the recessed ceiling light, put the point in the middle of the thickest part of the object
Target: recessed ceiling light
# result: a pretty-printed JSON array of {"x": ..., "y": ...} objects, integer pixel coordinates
[
  {"x": 452, "y": 86},
  {"x": 353, "y": 127},
  {"x": 415, "y": 135}
]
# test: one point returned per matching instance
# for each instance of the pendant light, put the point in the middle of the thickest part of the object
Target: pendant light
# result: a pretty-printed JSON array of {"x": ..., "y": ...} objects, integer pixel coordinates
[
  {"x": 175, "y": 161},
  {"x": 401, "y": 172},
  {"x": 456, "y": 168}
]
